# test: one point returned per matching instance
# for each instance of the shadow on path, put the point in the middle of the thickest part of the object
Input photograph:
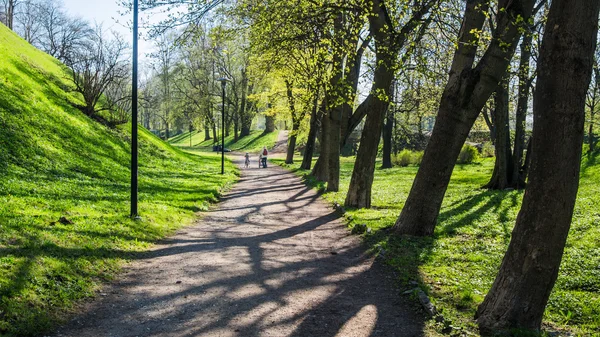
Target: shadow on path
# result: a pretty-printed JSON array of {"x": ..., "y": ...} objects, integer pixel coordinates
[{"x": 271, "y": 259}]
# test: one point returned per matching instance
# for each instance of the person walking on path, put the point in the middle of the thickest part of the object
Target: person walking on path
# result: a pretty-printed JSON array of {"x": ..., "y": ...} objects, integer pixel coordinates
[
  {"x": 247, "y": 160},
  {"x": 264, "y": 154}
]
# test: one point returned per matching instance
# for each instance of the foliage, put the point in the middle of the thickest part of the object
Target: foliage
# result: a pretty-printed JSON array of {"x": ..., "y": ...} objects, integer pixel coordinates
[
  {"x": 457, "y": 266},
  {"x": 468, "y": 154},
  {"x": 56, "y": 162},
  {"x": 487, "y": 150},
  {"x": 407, "y": 157}
]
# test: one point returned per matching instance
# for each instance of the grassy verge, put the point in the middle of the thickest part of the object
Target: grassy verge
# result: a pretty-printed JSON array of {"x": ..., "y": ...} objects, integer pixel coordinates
[
  {"x": 64, "y": 193},
  {"x": 457, "y": 266},
  {"x": 251, "y": 143}
]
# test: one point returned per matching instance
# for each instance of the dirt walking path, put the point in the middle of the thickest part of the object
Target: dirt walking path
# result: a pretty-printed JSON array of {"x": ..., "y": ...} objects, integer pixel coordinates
[{"x": 271, "y": 259}]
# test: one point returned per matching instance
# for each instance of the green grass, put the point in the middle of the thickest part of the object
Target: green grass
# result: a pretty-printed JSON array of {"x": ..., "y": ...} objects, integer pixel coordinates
[
  {"x": 251, "y": 143},
  {"x": 459, "y": 263},
  {"x": 55, "y": 162}
]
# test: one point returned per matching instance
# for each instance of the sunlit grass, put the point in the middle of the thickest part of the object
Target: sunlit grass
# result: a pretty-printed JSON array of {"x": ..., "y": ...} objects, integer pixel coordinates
[{"x": 55, "y": 163}]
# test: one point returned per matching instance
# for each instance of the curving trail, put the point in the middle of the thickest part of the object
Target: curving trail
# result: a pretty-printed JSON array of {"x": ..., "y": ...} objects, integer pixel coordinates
[{"x": 271, "y": 259}]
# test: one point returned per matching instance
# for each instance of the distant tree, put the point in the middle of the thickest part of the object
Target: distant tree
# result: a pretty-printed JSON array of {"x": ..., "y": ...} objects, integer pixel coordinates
[
  {"x": 530, "y": 267},
  {"x": 28, "y": 21},
  {"x": 9, "y": 12},
  {"x": 95, "y": 66},
  {"x": 163, "y": 61},
  {"x": 62, "y": 36}
]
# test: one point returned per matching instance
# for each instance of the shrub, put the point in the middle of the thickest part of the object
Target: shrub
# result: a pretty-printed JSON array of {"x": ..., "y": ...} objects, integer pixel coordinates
[
  {"x": 468, "y": 154},
  {"x": 417, "y": 157},
  {"x": 407, "y": 157},
  {"x": 487, "y": 150},
  {"x": 403, "y": 158}
]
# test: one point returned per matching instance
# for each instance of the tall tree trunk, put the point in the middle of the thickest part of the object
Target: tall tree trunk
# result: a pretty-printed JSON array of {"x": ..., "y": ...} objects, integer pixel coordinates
[
  {"x": 10, "y": 13},
  {"x": 321, "y": 169},
  {"x": 245, "y": 119},
  {"x": 386, "y": 50},
  {"x": 388, "y": 129},
  {"x": 206, "y": 132},
  {"x": 592, "y": 106},
  {"x": 214, "y": 130},
  {"x": 269, "y": 124},
  {"x": 465, "y": 94},
  {"x": 236, "y": 125},
  {"x": 227, "y": 120},
  {"x": 529, "y": 269},
  {"x": 335, "y": 109},
  {"x": 502, "y": 175},
  {"x": 352, "y": 79},
  {"x": 309, "y": 148},
  {"x": 518, "y": 181},
  {"x": 295, "y": 123}
]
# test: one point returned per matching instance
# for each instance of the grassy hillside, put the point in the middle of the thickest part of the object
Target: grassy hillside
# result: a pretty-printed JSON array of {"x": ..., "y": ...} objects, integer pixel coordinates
[
  {"x": 459, "y": 263},
  {"x": 251, "y": 143},
  {"x": 57, "y": 163}
]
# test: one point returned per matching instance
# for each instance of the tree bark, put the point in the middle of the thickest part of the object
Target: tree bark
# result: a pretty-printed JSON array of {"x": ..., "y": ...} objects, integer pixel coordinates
[
  {"x": 529, "y": 269},
  {"x": 386, "y": 51},
  {"x": 309, "y": 148},
  {"x": 465, "y": 94},
  {"x": 295, "y": 123},
  {"x": 388, "y": 129},
  {"x": 518, "y": 181},
  {"x": 245, "y": 119},
  {"x": 321, "y": 169},
  {"x": 352, "y": 79},
  {"x": 269, "y": 124},
  {"x": 502, "y": 175}
]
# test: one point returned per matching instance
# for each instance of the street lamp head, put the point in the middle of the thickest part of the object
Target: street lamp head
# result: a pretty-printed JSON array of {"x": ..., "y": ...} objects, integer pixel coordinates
[{"x": 223, "y": 81}]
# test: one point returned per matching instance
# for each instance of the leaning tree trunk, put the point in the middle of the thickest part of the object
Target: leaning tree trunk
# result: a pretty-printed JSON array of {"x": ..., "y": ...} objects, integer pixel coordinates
[
  {"x": 530, "y": 267},
  {"x": 309, "y": 148},
  {"x": 501, "y": 175},
  {"x": 465, "y": 94}
]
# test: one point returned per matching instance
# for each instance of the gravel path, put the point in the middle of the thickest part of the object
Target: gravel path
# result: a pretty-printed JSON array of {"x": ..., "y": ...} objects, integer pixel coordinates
[{"x": 271, "y": 259}]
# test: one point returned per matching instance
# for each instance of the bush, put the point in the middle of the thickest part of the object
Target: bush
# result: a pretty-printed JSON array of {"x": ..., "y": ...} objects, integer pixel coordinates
[
  {"x": 487, "y": 150},
  {"x": 402, "y": 159},
  {"x": 417, "y": 157},
  {"x": 468, "y": 154},
  {"x": 407, "y": 157}
]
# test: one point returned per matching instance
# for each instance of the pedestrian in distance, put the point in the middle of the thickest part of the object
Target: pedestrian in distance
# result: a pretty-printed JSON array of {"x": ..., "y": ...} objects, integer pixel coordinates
[
  {"x": 247, "y": 160},
  {"x": 264, "y": 155}
]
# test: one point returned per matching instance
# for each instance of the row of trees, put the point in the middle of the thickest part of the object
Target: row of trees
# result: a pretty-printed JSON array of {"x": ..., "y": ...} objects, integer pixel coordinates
[
  {"x": 462, "y": 63},
  {"x": 318, "y": 50}
]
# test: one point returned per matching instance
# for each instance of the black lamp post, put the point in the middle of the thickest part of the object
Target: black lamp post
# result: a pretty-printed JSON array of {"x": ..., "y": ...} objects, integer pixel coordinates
[
  {"x": 223, "y": 81},
  {"x": 134, "y": 117}
]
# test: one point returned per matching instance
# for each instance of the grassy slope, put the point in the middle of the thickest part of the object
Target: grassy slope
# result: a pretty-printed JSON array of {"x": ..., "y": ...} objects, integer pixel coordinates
[
  {"x": 56, "y": 162},
  {"x": 458, "y": 265},
  {"x": 251, "y": 143}
]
